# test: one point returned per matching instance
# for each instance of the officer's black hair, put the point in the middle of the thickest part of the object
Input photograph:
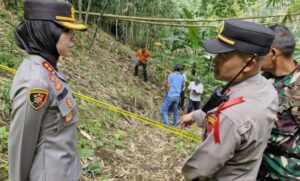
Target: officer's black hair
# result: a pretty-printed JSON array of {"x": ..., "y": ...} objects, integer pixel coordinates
[{"x": 284, "y": 40}]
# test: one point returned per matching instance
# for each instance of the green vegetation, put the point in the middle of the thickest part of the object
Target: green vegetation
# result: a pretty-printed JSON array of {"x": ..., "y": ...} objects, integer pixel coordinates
[
  {"x": 5, "y": 108},
  {"x": 112, "y": 145}
]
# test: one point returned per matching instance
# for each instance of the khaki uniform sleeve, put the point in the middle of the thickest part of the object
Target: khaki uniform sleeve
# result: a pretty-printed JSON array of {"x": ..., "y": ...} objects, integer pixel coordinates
[
  {"x": 210, "y": 157},
  {"x": 198, "y": 116},
  {"x": 24, "y": 130}
]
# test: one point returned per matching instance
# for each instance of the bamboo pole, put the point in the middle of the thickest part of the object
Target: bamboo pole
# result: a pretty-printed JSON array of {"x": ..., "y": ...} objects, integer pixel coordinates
[
  {"x": 165, "y": 67},
  {"x": 166, "y": 24},
  {"x": 117, "y": 36},
  {"x": 183, "y": 25},
  {"x": 80, "y": 10},
  {"x": 187, "y": 20},
  {"x": 97, "y": 25},
  {"x": 87, "y": 12}
]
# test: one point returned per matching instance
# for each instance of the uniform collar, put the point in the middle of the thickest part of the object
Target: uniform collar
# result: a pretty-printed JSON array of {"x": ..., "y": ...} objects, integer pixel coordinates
[
  {"x": 39, "y": 60},
  {"x": 255, "y": 79},
  {"x": 35, "y": 58},
  {"x": 60, "y": 75}
]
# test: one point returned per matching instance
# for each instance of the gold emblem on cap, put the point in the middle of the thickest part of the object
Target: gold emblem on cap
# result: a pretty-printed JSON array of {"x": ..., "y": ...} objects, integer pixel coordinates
[
  {"x": 222, "y": 28},
  {"x": 66, "y": 18},
  {"x": 224, "y": 39},
  {"x": 73, "y": 13}
]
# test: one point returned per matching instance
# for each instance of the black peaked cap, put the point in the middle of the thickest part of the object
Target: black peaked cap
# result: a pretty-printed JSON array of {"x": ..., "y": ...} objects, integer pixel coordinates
[
  {"x": 242, "y": 36},
  {"x": 60, "y": 12}
]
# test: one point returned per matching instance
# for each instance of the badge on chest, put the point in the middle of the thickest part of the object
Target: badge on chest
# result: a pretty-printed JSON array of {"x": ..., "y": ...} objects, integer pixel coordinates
[{"x": 211, "y": 121}]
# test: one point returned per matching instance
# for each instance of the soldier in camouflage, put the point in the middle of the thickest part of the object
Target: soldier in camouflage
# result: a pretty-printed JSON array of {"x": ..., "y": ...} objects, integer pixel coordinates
[{"x": 281, "y": 160}]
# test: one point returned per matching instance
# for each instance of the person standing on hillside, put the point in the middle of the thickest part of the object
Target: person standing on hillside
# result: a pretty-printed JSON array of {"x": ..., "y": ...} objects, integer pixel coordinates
[
  {"x": 282, "y": 156},
  {"x": 173, "y": 86},
  {"x": 236, "y": 131},
  {"x": 182, "y": 94},
  {"x": 42, "y": 137},
  {"x": 196, "y": 89},
  {"x": 143, "y": 56},
  {"x": 193, "y": 70}
]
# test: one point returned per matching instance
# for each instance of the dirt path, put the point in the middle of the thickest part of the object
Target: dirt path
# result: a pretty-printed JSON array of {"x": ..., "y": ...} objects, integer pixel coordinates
[{"x": 147, "y": 154}]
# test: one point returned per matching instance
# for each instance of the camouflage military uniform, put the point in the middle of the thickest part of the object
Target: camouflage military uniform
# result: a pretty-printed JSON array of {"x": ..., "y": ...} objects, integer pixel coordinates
[{"x": 281, "y": 159}]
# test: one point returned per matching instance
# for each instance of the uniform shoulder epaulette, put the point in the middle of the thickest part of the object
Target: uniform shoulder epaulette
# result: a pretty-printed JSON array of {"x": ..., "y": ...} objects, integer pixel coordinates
[
  {"x": 66, "y": 102},
  {"x": 48, "y": 67}
]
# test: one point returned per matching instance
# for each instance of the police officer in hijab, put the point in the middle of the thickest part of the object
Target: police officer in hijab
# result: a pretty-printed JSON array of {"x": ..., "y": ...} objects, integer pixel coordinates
[{"x": 42, "y": 137}]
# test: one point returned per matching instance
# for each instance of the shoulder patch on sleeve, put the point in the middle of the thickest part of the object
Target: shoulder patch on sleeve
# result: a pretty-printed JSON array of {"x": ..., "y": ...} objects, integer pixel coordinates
[{"x": 37, "y": 97}]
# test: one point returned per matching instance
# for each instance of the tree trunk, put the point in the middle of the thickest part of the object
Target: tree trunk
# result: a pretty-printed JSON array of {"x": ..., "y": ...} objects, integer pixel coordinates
[
  {"x": 98, "y": 24},
  {"x": 165, "y": 67},
  {"x": 80, "y": 9},
  {"x": 117, "y": 36},
  {"x": 87, "y": 12},
  {"x": 126, "y": 28},
  {"x": 147, "y": 37}
]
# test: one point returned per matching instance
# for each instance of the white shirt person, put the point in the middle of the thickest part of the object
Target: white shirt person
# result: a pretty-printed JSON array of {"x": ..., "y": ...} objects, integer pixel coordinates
[{"x": 196, "y": 90}]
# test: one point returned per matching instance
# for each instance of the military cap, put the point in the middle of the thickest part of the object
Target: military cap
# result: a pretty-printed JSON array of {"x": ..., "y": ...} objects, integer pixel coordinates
[
  {"x": 60, "y": 12},
  {"x": 243, "y": 36}
]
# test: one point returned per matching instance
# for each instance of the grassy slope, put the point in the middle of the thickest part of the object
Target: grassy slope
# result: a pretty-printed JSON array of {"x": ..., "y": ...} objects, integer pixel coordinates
[{"x": 114, "y": 147}]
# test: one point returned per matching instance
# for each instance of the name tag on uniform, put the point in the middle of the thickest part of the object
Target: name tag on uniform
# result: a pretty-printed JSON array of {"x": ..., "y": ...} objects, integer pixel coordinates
[{"x": 62, "y": 95}]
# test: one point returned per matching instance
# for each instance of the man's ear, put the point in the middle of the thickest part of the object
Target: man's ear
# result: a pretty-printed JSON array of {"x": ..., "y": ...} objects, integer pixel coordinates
[
  {"x": 251, "y": 66},
  {"x": 274, "y": 53}
]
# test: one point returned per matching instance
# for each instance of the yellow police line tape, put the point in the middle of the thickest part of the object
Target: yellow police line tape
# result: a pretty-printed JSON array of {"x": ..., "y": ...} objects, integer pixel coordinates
[
  {"x": 127, "y": 113},
  {"x": 3, "y": 67}
]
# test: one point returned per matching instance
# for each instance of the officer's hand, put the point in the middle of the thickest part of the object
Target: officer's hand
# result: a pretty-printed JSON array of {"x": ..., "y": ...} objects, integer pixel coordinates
[{"x": 186, "y": 120}]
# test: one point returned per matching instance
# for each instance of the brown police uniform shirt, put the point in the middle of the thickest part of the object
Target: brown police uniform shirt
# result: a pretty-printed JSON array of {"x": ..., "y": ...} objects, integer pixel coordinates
[
  {"x": 244, "y": 132},
  {"x": 42, "y": 138}
]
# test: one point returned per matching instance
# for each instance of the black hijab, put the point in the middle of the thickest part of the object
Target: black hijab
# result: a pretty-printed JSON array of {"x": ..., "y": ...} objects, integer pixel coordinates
[{"x": 39, "y": 37}]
